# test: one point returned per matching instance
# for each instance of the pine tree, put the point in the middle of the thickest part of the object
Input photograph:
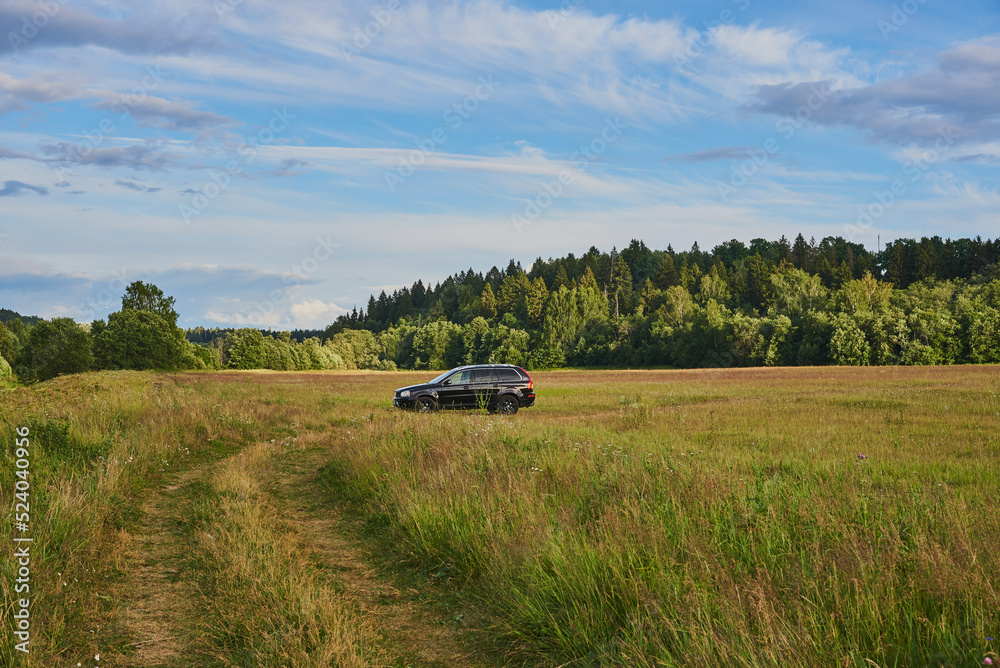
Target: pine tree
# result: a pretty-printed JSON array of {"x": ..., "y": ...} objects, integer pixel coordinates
[
  {"x": 512, "y": 292},
  {"x": 535, "y": 300},
  {"x": 894, "y": 273},
  {"x": 383, "y": 309},
  {"x": 417, "y": 294},
  {"x": 588, "y": 280},
  {"x": 665, "y": 274},
  {"x": 759, "y": 290},
  {"x": 620, "y": 287},
  {"x": 926, "y": 260},
  {"x": 842, "y": 276},
  {"x": 647, "y": 298},
  {"x": 949, "y": 261},
  {"x": 488, "y": 303},
  {"x": 561, "y": 279},
  {"x": 783, "y": 251},
  {"x": 800, "y": 253},
  {"x": 696, "y": 255}
]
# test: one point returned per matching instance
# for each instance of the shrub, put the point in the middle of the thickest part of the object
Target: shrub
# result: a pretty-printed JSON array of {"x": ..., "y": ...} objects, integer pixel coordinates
[
  {"x": 52, "y": 348},
  {"x": 208, "y": 356},
  {"x": 244, "y": 349},
  {"x": 7, "y": 343}
]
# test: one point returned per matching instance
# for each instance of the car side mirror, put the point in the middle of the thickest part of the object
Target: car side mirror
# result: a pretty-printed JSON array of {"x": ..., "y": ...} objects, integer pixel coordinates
[{"x": 447, "y": 382}]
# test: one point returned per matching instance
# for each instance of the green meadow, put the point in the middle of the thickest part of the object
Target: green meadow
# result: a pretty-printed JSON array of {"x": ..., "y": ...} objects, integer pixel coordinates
[{"x": 825, "y": 516}]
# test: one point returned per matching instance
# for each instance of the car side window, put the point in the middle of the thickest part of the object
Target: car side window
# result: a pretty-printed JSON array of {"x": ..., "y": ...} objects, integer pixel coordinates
[
  {"x": 460, "y": 378},
  {"x": 508, "y": 376},
  {"x": 482, "y": 376}
]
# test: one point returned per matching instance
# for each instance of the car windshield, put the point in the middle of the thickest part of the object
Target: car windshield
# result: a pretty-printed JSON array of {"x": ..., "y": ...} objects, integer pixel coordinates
[{"x": 441, "y": 377}]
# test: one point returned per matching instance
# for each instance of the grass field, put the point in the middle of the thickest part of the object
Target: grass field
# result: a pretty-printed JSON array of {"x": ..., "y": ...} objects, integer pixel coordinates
[{"x": 745, "y": 517}]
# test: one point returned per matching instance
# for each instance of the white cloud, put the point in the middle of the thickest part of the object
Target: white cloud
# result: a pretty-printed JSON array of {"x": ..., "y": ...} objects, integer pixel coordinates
[
  {"x": 314, "y": 313},
  {"x": 306, "y": 314},
  {"x": 52, "y": 88},
  {"x": 752, "y": 45}
]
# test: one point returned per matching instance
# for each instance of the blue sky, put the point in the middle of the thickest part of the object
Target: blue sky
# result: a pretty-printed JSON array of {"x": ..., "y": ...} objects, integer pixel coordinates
[{"x": 275, "y": 163}]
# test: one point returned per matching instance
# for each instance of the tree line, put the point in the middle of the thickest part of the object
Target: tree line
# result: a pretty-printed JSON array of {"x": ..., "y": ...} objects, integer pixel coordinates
[
  {"x": 143, "y": 334},
  {"x": 930, "y": 301},
  {"x": 927, "y": 301}
]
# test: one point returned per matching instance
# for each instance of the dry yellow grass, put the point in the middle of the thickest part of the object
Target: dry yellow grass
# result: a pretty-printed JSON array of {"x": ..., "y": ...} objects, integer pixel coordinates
[
  {"x": 683, "y": 518},
  {"x": 267, "y": 604},
  {"x": 634, "y": 518}
]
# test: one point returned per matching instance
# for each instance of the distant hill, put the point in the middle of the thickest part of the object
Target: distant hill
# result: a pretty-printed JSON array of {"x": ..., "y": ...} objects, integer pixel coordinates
[{"x": 6, "y": 315}]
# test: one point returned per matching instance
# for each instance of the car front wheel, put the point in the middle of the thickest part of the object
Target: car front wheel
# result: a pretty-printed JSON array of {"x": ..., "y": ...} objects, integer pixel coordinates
[
  {"x": 507, "y": 405},
  {"x": 425, "y": 405}
]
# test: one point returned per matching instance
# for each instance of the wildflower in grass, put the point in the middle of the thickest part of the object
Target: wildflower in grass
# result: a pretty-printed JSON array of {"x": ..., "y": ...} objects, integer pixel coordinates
[
  {"x": 987, "y": 661},
  {"x": 861, "y": 457}
]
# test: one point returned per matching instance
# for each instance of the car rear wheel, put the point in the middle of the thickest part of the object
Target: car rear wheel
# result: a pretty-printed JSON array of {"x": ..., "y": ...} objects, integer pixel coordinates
[
  {"x": 507, "y": 405},
  {"x": 425, "y": 405}
]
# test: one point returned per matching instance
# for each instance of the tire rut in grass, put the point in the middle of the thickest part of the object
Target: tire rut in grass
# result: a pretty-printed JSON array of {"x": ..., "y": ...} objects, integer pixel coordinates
[
  {"x": 158, "y": 604},
  {"x": 417, "y": 636}
]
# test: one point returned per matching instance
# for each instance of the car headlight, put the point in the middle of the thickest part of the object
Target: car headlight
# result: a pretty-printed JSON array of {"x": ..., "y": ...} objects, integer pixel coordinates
[{"x": 404, "y": 393}]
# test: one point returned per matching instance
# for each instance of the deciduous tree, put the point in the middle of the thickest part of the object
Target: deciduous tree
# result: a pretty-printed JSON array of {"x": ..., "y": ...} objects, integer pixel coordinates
[
  {"x": 141, "y": 296},
  {"x": 54, "y": 347}
]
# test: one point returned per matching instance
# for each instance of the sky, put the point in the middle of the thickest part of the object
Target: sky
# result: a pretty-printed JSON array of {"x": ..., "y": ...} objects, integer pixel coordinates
[{"x": 274, "y": 163}]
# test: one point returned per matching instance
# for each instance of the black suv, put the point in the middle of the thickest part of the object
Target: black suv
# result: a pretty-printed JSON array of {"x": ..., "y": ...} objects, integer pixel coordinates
[{"x": 500, "y": 388}]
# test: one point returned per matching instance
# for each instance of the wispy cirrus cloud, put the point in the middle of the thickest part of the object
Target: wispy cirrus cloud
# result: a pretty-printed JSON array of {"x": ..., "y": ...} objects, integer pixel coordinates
[
  {"x": 136, "y": 187},
  {"x": 11, "y": 154},
  {"x": 156, "y": 112},
  {"x": 146, "y": 156},
  {"x": 12, "y": 188},
  {"x": 143, "y": 32},
  {"x": 705, "y": 97},
  {"x": 16, "y": 93},
  {"x": 145, "y": 109},
  {"x": 713, "y": 154}
]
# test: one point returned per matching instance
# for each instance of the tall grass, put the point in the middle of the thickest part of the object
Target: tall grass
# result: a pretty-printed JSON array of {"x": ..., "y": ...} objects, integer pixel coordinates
[
  {"x": 93, "y": 442},
  {"x": 735, "y": 523},
  {"x": 99, "y": 442},
  {"x": 628, "y": 519},
  {"x": 266, "y": 603}
]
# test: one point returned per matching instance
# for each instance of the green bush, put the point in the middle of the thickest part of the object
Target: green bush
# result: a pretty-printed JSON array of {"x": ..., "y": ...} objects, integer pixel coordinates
[
  {"x": 8, "y": 344},
  {"x": 209, "y": 357},
  {"x": 244, "y": 349},
  {"x": 54, "y": 347}
]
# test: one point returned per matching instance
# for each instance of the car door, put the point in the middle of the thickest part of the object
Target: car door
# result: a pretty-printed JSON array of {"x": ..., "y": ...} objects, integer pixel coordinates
[
  {"x": 456, "y": 390},
  {"x": 484, "y": 387},
  {"x": 508, "y": 379}
]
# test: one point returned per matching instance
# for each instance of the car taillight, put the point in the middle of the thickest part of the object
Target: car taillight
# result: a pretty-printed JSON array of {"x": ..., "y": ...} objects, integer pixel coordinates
[{"x": 531, "y": 383}]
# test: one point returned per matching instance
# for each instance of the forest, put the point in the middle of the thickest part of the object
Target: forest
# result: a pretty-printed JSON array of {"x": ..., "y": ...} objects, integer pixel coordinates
[
  {"x": 930, "y": 301},
  {"x": 766, "y": 303}
]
